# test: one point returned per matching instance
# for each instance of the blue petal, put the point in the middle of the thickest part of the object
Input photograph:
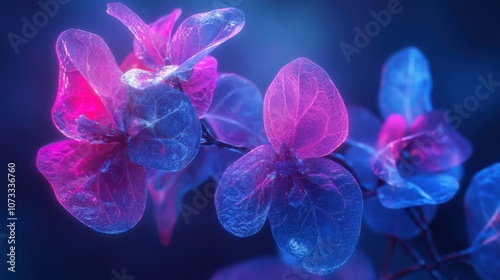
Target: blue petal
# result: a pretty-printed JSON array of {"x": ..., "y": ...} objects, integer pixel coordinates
[
  {"x": 482, "y": 204},
  {"x": 243, "y": 196},
  {"x": 364, "y": 128},
  {"x": 236, "y": 112},
  {"x": 418, "y": 190},
  {"x": 393, "y": 222},
  {"x": 359, "y": 160},
  {"x": 164, "y": 126},
  {"x": 316, "y": 217},
  {"x": 406, "y": 85}
]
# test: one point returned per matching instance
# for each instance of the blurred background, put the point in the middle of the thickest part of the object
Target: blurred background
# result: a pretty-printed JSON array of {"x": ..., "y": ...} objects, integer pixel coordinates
[{"x": 461, "y": 39}]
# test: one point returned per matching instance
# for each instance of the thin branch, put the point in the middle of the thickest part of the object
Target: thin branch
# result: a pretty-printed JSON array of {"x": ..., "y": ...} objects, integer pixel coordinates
[
  {"x": 388, "y": 256},
  {"x": 208, "y": 139}
]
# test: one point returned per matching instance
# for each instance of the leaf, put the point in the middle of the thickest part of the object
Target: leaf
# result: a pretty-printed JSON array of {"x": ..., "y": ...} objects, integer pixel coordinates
[
  {"x": 96, "y": 183},
  {"x": 168, "y": 189},
  {"x": 359, "y": 160},
  {"x": 364, "y": 128},
  {"x": 236, "y": 112},
  {"x": 142, "y": 79},
  {"x": 393, "y": 129},
  {"x": 393, "y": 222},
  {"x": 316, "y": 216},
  {"x": 164, "y": 127},
  {"x": 162, "y": 29},
  {"x": 89, "y": 83},
  {"x": 243, "y": 195},
  {"x": 304, "y": 112},
  {"x": 406, "y": 84},
  {"x": 482, "y": 205},
  {"x": 201, "y": 85},
  {"x": 145, "y": 48},
  {"x": 201, "y": 33}
]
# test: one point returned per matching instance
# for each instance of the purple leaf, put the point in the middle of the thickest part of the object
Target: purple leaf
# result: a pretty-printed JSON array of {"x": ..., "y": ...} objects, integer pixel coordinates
[
  {"x": 304, "y": 112},
  {"x": 146, "y": 50},
  {"x": 201, "y": 85},
  {"x": 199, "y": 34},
  {"x": 482, "y": 205},
  {"x": 142, "y": 79},
  {"x": 96, "y": 183},
  {"x": 316, "y": 217},
  {"x": 243, "y": 196},
  {"x": 164, "y": 127},
  {"x": 236, "y": 112},
  {"x": 162, "y": 30},
  {"x": 89, "y": 83},
  {"x": 406, "y": 85}
]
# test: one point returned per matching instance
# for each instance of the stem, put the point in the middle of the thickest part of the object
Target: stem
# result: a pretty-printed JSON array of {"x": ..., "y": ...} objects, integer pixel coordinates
[
  {"x": 426, "y": 234},
  {"x": 388, "y": 257},
  {"x": 208, "y": 139}
]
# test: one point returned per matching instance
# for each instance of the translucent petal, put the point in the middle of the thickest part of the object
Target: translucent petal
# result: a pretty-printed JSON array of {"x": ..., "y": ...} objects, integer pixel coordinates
[
  {"x": 364, "y": 128},
  {"x": 164, "y": 127},
  {"x": 418, "y": 190},
  {"x": 142, "y": 79},
  {"x": 440, "y": 146},
  {"x": 393, "y": 129},
  {"x": 406, "y": 85},
  {"x": 145, "y": 49},
  {"x": 236, "y": 112},
  {"x": 97, "y": 184},
  {"x": 359, "y": 160},
  {"x": 162, "y": 30},
  {"x": 304, "y": 112},
  {"x": 89, "y": 83},
  {"x": 482, "y": 205},
  {"x": 393, "y": 222},
  {"x": 168, "y": 189},
  {"x": 243, "y": 195},
  {"x": 316, "y": 216},
  {"x": 132, "y": 62},
  {"x": 201, "y": 33},
  {"x": 201, "y": 85}
]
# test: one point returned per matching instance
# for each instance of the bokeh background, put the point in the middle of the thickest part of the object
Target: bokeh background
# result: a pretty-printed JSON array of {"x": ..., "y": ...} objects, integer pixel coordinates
[{"x": 460, "y": 38}]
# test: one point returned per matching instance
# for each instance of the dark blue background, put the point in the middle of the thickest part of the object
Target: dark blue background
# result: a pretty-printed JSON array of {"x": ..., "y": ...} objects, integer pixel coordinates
[{"x": 461, "y": 39}]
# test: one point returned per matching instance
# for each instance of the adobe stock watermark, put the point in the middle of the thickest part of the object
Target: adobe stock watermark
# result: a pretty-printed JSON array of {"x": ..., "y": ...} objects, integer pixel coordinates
[
  {"x": 121, "y": 275},
  {"x": 363, "y": 37},
  {"x": 219, "y": 4},
  {"x": 30, "y": 27}
]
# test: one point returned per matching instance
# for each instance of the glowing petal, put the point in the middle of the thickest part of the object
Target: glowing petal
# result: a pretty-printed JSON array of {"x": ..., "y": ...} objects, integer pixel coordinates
[
  {"x": 304, "y": 111},
  {"x": 168, "y": 189},
  {"x": 162, "y": 30},
  {"x": 393, "y": 129},
  {"x": 142, "y": 79},
  {"x": 406, "y": 85},
  {"x": 393, "y": 222},
  {"x": 145, "y": 49},
  {"x": 359, "y": 160},
  {"x": 316, "y": 217},
  {"x": 243, "y": 196},
  {"x": 89, "y": 83},
  {"x": 199, "y": 34},
  {"x": 236, "y": 112},
  {"x": 363, "y": 128},
  {"x": 164, "y": 127},
  {"x": 132, "y": 62},
  {"x": 97, "y": 184},
  {"x": 201, "y": 85},
  {"x": 418, "y": 190},
  {"x": 482, "y": 204}
]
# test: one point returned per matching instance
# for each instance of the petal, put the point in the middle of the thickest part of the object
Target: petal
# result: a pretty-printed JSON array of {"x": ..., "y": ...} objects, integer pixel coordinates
[
  {"x": 168, "y": 189},
  {"x": 243, "y": 195},
  {"x": 304, "y": 111},
  {"x": 142, "y": 79},
  {"x": 359, "y": 160},
  {"x": 406, "y": 85},
  {"x": 164, "y": 127},
  {"x": 236, "y": 112},
  {"x": 132, "y": 62},
  {"x": 144, "y": 48},
  {"x": 394, "y": 128},
  {"x": 201, "y": 85},
  {"x": 89, "y": 83},
  {"x": 162, "y": 30},
  {"x": 364, "y": 128},
  {"x": 418, "y": 190},
  {"x": 439, "y": 147},
  {"x": 393, "y": 222},
  {"x": 97, "y": 184},
  {"x": 201, "y": 33},
  {"x": 316, "y": 217},
  {"x": 482, "y": 205}
]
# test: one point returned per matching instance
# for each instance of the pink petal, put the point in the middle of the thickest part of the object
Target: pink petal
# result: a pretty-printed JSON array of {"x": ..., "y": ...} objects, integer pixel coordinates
[
  {"x": 394, "y": 128},
  {"x": 199, "y": 34},
  {"x": 162, "y": 30},
  {"x": 304, "y": 111},
  {"x": 132, "y": 62},
  {"x": 96, "y": 183},
  {"x": 200, "y": 87},
  {"x": 89, "y": 83},
  {"x": 145, "y": 48},
  {"x": 243, "y": 195}
]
